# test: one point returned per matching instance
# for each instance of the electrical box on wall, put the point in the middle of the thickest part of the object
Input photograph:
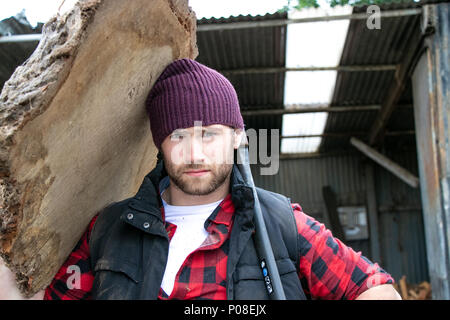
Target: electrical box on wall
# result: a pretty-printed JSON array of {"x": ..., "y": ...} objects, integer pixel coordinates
[{"x": 354, "y": 222}]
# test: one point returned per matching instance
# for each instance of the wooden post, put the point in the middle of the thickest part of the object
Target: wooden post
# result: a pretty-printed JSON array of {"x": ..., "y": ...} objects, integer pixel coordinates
[
  {"x": 372, "y": 213},
  {"x": 431, "y": 94}
]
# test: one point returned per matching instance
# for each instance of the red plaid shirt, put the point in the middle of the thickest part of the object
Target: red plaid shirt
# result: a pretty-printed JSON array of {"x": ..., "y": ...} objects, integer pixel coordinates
[{"x": 328, "y": 268}]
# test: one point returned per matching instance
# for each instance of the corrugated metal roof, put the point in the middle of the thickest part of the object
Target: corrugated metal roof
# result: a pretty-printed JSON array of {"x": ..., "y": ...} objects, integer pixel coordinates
[
  {"x": 249, "y": 48},
  {"x": 243, "y": 18},
  {"x": 364, "y": 46},
  {"x": 255, "y": 47}
]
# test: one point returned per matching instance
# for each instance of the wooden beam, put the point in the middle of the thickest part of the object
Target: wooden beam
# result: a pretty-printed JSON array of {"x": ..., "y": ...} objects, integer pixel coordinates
[
  {"x": 355, "y": 68},
  {"x": 255, "y": 111},
  {"x": 313, "y": 155},
  {"x": 307, "y": 108},
  {"x": 325, "y": 135},
  {"x": 346, "y": 134},
  {"x": 385, "y": 162}
]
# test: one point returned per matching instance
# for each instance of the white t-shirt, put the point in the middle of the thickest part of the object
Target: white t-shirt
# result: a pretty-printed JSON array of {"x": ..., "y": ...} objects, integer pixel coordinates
[{"x": 189, "y": 235}]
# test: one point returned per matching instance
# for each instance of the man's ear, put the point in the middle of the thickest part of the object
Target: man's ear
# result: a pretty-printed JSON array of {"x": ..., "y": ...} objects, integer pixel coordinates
[{"x": 238, "y": 135}]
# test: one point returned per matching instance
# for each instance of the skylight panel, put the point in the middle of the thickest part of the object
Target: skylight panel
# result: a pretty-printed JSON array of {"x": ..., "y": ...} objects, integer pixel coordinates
[{"x": 310, "y": 45}]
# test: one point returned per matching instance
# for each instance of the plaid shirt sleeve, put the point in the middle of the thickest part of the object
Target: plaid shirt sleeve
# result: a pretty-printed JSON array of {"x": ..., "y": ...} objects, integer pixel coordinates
[
  {"x": 75, "y": 278},
  {"x": 328, "y": 268}
]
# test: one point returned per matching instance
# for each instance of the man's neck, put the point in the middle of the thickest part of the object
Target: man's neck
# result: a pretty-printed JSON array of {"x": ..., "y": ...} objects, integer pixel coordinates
[{"x": 176, "y": 197}]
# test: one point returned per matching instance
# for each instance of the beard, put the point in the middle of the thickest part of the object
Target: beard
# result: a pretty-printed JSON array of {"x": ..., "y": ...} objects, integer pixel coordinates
[{"x": 200, "y": 185}]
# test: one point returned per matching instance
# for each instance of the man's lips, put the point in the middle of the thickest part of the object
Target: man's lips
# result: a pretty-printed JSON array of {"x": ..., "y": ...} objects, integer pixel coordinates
[{"x": 196, "y": 172}]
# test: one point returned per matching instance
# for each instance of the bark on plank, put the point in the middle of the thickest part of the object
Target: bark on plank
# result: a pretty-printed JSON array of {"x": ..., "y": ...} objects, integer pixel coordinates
[{"x": 74, "y": 135}]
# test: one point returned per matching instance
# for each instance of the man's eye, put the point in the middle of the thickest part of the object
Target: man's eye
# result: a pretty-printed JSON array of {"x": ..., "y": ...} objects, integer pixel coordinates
[
  {"x": 207, "y": 134},
  {"x": 176, "y": 136}
]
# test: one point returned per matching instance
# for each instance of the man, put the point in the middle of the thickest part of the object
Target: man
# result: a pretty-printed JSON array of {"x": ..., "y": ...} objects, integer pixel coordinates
[{"x": 188, "y": 232}]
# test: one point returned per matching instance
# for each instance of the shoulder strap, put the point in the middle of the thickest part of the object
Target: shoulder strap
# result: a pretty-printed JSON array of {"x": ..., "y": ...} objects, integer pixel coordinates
[{"x": 285, "y": 216}]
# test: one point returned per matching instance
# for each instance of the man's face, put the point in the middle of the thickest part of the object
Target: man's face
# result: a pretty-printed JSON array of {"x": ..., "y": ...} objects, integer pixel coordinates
[{"x": 199, "y": 159}]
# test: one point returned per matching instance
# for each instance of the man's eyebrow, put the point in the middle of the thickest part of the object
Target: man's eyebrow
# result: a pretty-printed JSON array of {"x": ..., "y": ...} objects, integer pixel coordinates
[
  {"x": 179, "y": 131},
  {"x": 182, "y": 131},
  {"x": 212, "y": 129}
]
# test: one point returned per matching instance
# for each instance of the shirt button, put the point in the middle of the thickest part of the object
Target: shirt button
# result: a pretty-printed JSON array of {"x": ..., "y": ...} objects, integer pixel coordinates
[
  {"x": 130, "y": 216},
  {"x": 146, "y": 225}
]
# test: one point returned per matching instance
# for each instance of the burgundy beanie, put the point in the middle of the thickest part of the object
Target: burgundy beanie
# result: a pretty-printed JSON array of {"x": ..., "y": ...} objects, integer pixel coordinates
[{"x": 189, "y": 91}]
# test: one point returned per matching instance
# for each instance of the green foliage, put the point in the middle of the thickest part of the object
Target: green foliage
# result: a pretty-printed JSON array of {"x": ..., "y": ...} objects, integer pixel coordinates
[{"x": 307, "y": 4}]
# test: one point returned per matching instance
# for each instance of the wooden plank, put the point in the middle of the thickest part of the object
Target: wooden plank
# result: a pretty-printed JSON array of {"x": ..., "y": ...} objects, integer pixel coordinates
[
  {"x": 385, "y": 162},
  {"x": 404, "y": 288},
  {"x": 254, "y": 111},
  {"x": 346, "y": 134},
  {"x": 340, "y": 68},
  {"x": 74, "y": 133}
]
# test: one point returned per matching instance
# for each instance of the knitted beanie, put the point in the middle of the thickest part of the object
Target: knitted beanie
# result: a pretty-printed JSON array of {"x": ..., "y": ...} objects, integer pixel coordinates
[{"x": 188, "y": 91}]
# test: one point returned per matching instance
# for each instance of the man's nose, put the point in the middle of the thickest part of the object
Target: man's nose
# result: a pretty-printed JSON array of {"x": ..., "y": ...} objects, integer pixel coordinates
[{"x": 196, "y": 155}]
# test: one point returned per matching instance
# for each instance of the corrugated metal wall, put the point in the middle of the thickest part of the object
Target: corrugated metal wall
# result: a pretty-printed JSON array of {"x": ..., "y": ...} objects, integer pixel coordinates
[
  {"x": 401, "y": 221},
  {"x": 302, "y": 180},
  {"x": 400, "y": 216}
]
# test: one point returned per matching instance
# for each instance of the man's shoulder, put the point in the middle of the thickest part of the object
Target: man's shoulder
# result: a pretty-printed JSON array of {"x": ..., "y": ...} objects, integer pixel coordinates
[
  {"x": 293, "y": 213},
  {"x": 109, "y": 215},
  {"x": 114, "y": 208},
  {"x": 276, "y": 207},
  {"x": 274, "y": 195},
  {"x": 271, "y": 194}
]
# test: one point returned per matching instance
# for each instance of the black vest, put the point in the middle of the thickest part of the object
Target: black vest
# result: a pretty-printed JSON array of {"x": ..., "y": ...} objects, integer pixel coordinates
[{"x": 129, "y": 244}]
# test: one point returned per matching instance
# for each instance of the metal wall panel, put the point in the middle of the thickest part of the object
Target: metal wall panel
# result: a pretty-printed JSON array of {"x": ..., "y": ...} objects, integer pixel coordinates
[
  {"x": 402, "y": 237},
  {"x": 401, "y": 231},
  {"x": 302, "y": 180}
]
